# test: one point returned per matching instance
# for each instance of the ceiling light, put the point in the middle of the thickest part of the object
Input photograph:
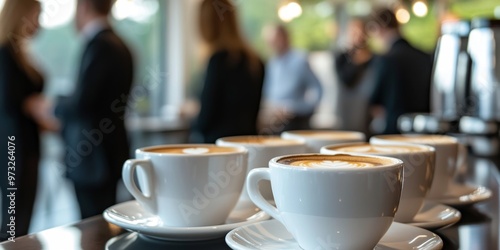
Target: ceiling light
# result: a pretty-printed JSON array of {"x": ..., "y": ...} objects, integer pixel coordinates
[
  {"x": 402, "y": 15},
  {"x": 57, "y": 13},
  {"x": 420, "y": 9},
  {"x": 289, "y": 11}
]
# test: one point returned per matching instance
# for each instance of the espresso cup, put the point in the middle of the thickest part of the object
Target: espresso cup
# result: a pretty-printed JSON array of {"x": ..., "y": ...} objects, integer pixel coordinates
[
  {"x": 187, "y": 185},
  {"x": 448, "y": 154},
  {"x": 316, "y": 139},
  {"x": 418, "y": 171},
  {"x": 331, "y": 201},
  {"x": 261, "y": 149}
]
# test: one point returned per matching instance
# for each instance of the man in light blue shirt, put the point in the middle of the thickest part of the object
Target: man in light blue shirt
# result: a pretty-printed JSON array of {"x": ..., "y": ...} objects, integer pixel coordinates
[{"x": 291, "y": 90}]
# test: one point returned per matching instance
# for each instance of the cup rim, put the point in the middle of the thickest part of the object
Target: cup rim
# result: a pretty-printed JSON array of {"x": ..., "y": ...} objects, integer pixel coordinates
[
  {"x": 143, "y": 150},
  {"x": 294, "y": 142},
  {"x": 386, "y": 139},
  {"x": 396, "y": 163},
  {"x": 424, "y": 148}
]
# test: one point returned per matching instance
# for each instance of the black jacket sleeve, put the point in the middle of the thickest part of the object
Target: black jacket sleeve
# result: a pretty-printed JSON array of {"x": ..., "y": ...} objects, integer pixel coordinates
[{"x": 210, "y": 94}]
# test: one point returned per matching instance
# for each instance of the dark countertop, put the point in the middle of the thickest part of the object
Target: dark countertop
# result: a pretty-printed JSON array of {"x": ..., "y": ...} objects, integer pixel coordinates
[{"x": 479, "y": 227}]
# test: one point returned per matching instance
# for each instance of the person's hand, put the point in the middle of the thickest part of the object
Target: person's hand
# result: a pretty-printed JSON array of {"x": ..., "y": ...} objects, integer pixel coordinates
[
  {"x": 41, "y": 110},
  {"x": 377, "y": 111},
  {"x": 49, "y": 124},
  {"x": 279, "y": 119}
]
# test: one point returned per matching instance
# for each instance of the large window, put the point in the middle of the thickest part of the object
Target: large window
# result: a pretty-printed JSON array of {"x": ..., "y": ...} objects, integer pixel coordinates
[
  {"x": 57, "y": 48},
  {"x": 312, "y": 30}
]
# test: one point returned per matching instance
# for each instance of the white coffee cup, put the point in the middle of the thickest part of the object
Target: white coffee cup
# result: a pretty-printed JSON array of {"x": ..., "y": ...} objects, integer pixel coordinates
[
  {"x": 315, "y": 139},
  {"x": 331, "y": 201},
  {"x": 261, "y": 149},
  {"x": 418, "y": 170},
  {"x": 448, "y": 154},
  {"x": 187, "y": 185}
]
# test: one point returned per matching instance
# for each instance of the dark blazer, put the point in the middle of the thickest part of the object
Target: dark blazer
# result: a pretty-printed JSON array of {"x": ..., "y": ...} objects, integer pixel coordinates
[
  {"x": 230, "y": 99},
  {"x": 347, "y": 71},
  {"x": 402, "y": 82},
  {"x": 93, "y": 116},
  {"x": 15, "y": 87}
]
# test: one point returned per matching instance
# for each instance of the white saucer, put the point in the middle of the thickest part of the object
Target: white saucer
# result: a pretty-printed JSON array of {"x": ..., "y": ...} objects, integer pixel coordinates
[
  {"x": 273, "y": 235},
  {"x": 463, "y": 194},
  {"x": 434, "y": 215},
  {"x": 131, "y": 216},
  {"x": 136, "y": 241}
]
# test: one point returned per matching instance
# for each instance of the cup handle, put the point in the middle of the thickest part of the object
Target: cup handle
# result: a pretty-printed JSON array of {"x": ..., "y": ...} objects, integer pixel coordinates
[
  {"x": 128, "y": 173},
  {"x": 254, "y": 176}
]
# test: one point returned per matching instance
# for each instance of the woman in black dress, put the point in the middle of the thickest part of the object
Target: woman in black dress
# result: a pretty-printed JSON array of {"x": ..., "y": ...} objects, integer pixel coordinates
[
  {"x": 21, "y": 107},
  {"x": 231, "y": 94}
]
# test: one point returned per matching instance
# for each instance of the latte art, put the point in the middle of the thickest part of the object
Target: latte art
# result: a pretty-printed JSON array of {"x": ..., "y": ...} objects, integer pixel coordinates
[
  {"x": 331, "y": 164},
  {"x": 337, "y": 161},
  {"x": 195, "y": 151}
]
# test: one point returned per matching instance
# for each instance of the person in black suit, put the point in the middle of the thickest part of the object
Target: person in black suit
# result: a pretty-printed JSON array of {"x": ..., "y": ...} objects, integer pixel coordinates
[
  {"x": 22, "y": 115},
  {"x": 93, "y": 116},
  {"x": 403, "y": 74},
  {"x": 231, "y": 94}
]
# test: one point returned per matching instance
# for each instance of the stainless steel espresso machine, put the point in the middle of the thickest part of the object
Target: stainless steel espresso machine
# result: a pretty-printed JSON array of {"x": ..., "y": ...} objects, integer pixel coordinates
[
  {"x": 451, "y": 73},
  {"x": 465, "y": 95},
  {"x": 482, "y": 122}
]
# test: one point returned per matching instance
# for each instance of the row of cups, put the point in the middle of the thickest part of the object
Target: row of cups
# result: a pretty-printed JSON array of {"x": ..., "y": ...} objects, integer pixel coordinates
[{"x": 324, "y": 186}]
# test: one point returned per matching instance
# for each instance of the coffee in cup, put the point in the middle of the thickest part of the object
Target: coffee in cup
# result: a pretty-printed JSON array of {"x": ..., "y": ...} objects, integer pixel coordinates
[
  {"x": 315, "y": 139},
  {"x": 331, "y": 201},
  {"x": 448, "y": 153},
  {"x": 187, "y": 185},
  {"x": 188, "y": 150},
  {"x": 418, "y": 170}
]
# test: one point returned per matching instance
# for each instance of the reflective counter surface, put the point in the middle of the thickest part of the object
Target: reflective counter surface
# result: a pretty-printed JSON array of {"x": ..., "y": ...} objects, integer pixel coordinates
[{"x": 478, "y": 229}]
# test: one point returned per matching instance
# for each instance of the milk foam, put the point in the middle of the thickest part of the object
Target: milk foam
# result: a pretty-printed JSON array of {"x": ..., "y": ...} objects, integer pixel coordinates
[
  {"x": 195, "y": 151},
  {"x": 264, "y": 141},
  {"x": 331, "y": 164},
  {"x": 192, "y": 150},
  {"x": 337, "y": 135},
  {"x": 425, "y": 139},
  {"x": 378, "y": 149}
]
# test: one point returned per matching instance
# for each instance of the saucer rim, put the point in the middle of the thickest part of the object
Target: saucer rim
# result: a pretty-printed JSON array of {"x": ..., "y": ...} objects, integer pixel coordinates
[
  {"x": 455, "y": 201},
  {"x": 178, "y": 233},
  {"x": 438, "y": 224},
  {"x": 233, "y": 245}
]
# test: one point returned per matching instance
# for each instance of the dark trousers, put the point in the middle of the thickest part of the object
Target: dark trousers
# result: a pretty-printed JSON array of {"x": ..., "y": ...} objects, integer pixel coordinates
[{"x": 94, "y": 200}]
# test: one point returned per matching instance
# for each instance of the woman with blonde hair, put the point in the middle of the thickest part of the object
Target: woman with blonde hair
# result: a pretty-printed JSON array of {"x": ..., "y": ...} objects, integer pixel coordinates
[
  {"x": 234, "y": 77},
  {"x": 20, "y": 113}
]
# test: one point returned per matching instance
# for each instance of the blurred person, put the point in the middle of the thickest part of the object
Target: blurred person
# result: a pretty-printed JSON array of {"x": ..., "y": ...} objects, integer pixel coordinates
[
  {"x": 231, "y": 95},
  {"x": 291, "y": 90},
  {"x": 22, "y": 113},
  {"x": 93, "y": 116},
  {"x": 354, "y": 68},
  {"x": 403, "y": 74}
]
